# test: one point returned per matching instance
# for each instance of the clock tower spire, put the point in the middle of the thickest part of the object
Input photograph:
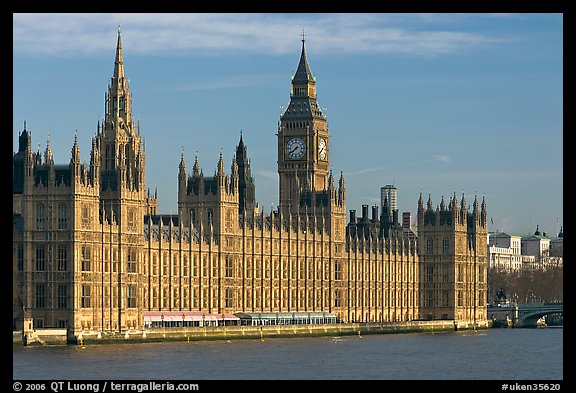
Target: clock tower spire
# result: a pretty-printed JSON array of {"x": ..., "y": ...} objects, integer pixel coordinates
[{"x": 302, "y": 139}]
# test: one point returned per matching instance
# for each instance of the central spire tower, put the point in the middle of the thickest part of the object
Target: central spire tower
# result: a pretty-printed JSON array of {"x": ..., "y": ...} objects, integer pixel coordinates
[{"x": 303, "y": 140}]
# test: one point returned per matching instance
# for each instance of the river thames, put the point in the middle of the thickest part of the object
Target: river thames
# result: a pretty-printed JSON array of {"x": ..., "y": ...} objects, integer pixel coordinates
[{"x": 493, "y": 354}]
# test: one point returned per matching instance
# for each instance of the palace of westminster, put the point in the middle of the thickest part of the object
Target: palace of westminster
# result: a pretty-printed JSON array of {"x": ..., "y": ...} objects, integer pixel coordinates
[{"x": 92, "y": 253}]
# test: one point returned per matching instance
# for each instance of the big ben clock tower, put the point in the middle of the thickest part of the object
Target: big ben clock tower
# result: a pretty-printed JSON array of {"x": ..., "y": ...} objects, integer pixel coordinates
[{"x": 303, "y": 141}]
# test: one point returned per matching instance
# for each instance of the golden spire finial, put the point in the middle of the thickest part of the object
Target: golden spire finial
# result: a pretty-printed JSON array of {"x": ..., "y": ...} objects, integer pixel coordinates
[{"x": 303, "y": 35}]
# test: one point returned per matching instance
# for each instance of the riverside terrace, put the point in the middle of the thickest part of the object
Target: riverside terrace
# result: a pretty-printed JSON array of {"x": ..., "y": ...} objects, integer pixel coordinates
[{"x": 174, "y": 319}]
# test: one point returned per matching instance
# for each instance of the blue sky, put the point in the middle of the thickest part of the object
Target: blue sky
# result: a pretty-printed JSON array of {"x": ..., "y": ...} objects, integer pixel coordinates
[{"x": 432, "y": 103}]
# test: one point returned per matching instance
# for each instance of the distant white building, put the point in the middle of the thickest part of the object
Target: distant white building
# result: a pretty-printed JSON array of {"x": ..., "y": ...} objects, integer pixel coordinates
[
  {"x": 504, "y": 252},
  {"x": 509, "y": 252}
]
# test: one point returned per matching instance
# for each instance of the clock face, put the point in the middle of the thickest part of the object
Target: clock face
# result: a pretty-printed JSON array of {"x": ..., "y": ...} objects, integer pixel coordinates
[
  {"x": 295, "y": 148},
  {"x": 322, "y": 149}
]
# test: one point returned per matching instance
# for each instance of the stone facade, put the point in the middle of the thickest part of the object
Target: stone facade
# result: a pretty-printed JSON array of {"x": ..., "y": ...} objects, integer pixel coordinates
[{"x": 91, "y": 252}]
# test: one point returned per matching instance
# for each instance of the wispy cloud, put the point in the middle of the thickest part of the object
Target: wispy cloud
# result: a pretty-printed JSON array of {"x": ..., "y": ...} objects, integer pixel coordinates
[
  {"x": 266, "y": 173},
  {"x": 78, "y": 34},
  {"x": 365, "y": 170},
  {"x": 441, "y": 158}
]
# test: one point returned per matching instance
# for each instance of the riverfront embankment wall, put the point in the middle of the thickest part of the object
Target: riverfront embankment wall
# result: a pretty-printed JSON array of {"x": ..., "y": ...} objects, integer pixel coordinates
[{"x": 250, "y": 332}]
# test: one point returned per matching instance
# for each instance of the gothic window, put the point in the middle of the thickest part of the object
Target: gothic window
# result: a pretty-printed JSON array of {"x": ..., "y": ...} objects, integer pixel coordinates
[
  {"x": 165, "y": 298},
  {"x": 40, "y": 295},
  {"x": 40, "y": 258},
  {"x": 114, "y": 260},
  {"x": 266, "y": 267},
  {"x": 62, "y": 296},
  {"x": 229, "y": 298},
  {"x": 154, "y": 265},
  {"x": 85, "y": 216},
  {"x": 85, "y": 258},
  {"x": 131, "y": 219},
  {"x": 107, "y": 157},
  {"x": 165, "y": 262},
  {"x": 106, "y": 297},
  {"x": 131, "y": 296},
  {"x": 40, "y": 216},
  {"x": 175, "y": 265},
  {"x": 460, "y": 299},
  {"x": 126, "y": 155},
  {"x": 193, "y": 216},
  {"x": 62, "y": 258},
  {"x": 185, "y": 266},
  {"x": 85, "y": 299},
  {"x": 215, "y": 266},
  {"x": 229, "y": 266},
  {"x": 20, "y": 258},
  {"x": 62, "y": 216},
  {"x": 155, "y": 298},
  {"x": 430, "y": 246},
  {"x": 132, "y": 261},
  {"x": 106, "y": 260},
  {"x": 337, "y": 271},
  {"x": 337, "y": 298},
  {"x": 185, "y": 298}
]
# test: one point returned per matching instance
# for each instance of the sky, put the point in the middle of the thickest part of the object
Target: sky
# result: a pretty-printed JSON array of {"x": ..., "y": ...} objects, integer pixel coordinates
[{"x": 436, "y": 104}]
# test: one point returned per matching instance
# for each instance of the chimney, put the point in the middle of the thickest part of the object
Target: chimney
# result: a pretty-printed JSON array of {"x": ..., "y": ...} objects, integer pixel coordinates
[
  {"x": 364, "y": 212},
  {"x": 375, "y": 213},
  {"x": 352, "y": 216},
  {"x": 395, "y": 216}
]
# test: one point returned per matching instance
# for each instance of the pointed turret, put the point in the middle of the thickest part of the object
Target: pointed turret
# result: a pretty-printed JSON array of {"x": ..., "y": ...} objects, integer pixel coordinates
[
  {"x": 48, "y": 160},
  {"x": 75, "y": 158},
  {"x": 442, "y": 204},
  {"x": 246, "y": 187},
  {"x": 182, "y": 176},
  {"x": 537, "y": 233},
  {"x": 182, "y": 166},
  {"x": 303, "y": 73},
  {"x": 420, "y": 203},
  {"x": 484, "y": 211},
  {"x": 341, "y": 182},
  {"x": 119, "y": 61},
  {"x": 429, "y": 203},
  {"x": 196, "y": 167},
  {"x": 221, "y": 164},
  {"x": 475, "y": 205}
]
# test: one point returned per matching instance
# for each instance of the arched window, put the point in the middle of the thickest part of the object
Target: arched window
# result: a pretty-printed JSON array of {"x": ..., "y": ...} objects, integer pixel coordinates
[
  {"x": 62, "y": 216},
  {"x": 40, "y": 216},
  {"x": 229, "y": 266},
  {"x": 430, "y": 246}
]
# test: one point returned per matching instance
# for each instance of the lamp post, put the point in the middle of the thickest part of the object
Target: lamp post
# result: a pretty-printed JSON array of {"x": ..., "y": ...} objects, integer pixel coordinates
[
  {"x": 183, "y": 316},
  {"x": 162, "y": 319}
]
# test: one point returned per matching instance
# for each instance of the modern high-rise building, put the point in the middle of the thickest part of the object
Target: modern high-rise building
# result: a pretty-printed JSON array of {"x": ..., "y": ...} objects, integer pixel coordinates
[
  {"x": 388, "y": 195},
  {"x": 92, "y": 253}
]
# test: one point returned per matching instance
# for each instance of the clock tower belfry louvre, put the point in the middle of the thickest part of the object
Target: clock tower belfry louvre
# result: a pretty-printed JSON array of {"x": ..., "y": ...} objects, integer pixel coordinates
[{"x": 92, "y": 254}]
